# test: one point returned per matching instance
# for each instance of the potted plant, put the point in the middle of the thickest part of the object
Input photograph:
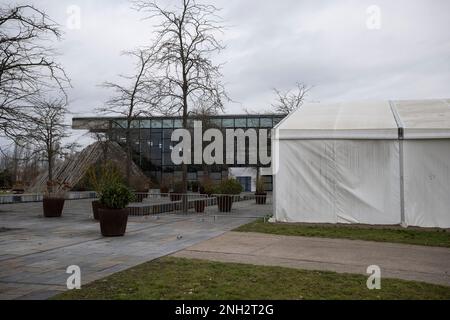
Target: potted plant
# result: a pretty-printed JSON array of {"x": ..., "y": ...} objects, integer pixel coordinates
[
  {"x": 226, "y": 190},
  {"x": 141, "y": 187},
  {"x": 99, "y": 177},
  {"x": 207, "y": 187},
  {"x": 113, "y": 212},
  {"x": 163, "y": 189},
  {"x": 260, "y": 194},
  {"x": 54, "y": 199},
  {"x": 176, "y": 194},
  {"x": 195, "y": 186}
]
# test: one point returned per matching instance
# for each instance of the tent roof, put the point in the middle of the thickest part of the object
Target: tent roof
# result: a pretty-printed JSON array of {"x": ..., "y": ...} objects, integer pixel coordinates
[{"x": 368, "y": 120}]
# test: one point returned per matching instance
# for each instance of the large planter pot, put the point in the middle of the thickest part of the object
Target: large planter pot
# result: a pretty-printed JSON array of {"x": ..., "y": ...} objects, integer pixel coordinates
[
  {"x": 95, "y": 206},
  {"x": 113, "y": 222},
  {"x": 261, "y": 198},
  {"x": 53, "y": 207},
  {"x": 200, "y": 206},
  {"x": 225, "y": 203},
  {"x": 175, "y": 197}
]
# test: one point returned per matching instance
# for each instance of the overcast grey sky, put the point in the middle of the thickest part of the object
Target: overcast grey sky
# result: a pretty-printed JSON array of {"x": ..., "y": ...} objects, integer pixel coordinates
[{"x": 271, "y": 43}]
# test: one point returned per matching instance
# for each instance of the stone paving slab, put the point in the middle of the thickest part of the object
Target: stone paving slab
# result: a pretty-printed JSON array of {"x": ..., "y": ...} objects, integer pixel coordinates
[
  {"x": 34, "y": 256},
  {"x": 409, "y": 262}
]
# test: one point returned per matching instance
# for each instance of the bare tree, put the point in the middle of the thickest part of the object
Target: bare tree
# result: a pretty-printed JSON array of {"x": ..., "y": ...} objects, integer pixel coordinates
[
  {"x": 186, "y": 38},
  {"x": 27, "y": 66},
  {"x": 291, "y": 100},
  {"x": 47, "y": 132},
  {"x": 133, "y": 99},
  {"x": 204, "y": 113}
]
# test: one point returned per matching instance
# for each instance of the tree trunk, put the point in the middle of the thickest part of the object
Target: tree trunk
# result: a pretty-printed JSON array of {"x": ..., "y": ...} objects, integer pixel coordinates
[
  {"x": 185, "y": 204},
  {"x": 128, "y": 160},
  {"x": 50, "y": 174}
]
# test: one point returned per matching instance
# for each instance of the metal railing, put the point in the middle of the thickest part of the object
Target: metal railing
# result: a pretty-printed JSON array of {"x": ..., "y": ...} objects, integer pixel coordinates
[
  {"x": 38, "y": 197},
  {"x": 157, "y": 203}
]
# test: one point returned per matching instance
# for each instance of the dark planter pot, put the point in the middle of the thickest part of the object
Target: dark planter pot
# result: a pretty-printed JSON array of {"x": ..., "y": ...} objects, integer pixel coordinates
[
  {"x": 95, "y": 206},
  {"x": 53, "y": 207},
  {"x": 175, "y": 197},
  {"x": 200, "y": 206},
  {"x": 225, "y": 203},
  {"x": 164, "y": 191},
  {"x": 261, "y": 198},
  {"x": 113, "y": 222}
]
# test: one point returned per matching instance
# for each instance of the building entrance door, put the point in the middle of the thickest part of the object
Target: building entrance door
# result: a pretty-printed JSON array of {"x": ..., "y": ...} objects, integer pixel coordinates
[{"x": 246, "y": 183}]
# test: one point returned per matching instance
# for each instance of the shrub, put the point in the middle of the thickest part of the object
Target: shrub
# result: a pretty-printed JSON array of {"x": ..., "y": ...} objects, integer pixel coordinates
[
  {"x": 116, "y": 196},
  {"x": 229, "y": 186},
  {"x": 104, "y": 175},
  {"x": 140, "y": 184},
  {"x": 260, "y": 188},
  {"x": 6, "y": 179},
  {"x": 207, "y": 187},
  {"x": 195, "y": 186},
  {"x": 178, "y": 187}
]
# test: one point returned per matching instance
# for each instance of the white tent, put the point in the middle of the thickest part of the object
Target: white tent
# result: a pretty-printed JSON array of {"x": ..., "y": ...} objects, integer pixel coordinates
[{"x": 364, "y": 162}]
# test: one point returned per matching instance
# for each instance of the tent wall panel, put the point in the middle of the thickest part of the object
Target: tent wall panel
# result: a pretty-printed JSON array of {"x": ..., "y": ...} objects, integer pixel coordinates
[
  {"x": 305, "y": 182},
  {"x": 368, "y": 188},
  {"x": 338, "y": 181},
  {"x": 427, "y": 183}
]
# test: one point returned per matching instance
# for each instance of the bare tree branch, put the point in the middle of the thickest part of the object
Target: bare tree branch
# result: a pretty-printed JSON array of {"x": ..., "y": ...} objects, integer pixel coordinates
[
  {"x": 186, "y": 38},
  {"x": 136, "y": 98},
  {"x": 47, "y": 130},
  {"x": 27, "y": 66},
  {"x": 291, "y": 100}
]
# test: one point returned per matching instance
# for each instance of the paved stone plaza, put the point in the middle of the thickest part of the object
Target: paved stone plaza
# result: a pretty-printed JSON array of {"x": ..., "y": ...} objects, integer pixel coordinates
[{"x": 35, "y": 252}]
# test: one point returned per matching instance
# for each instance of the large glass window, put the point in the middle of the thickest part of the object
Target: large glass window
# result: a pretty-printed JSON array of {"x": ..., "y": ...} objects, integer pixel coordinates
[
  {"x": 167, "y": 145},
  {"x": 167, "y": 133},
  {"x": 216, "y": 123},
  {"x": 228, "y": 123},
  {"x": 135, "y": 124},
  {"x": 178, "y": 123},
  {"x": 276, "y": 121},
  {"x": 241, "y": 123},
  {"x": 145, "y": 134},
  {"x": 145, "y": 124},
  {"x": 168, "y": 123},
  {"x": 134, "y": 135},
  {"x": 157, "y": 163},
  {"x": 167, "y": 159},
  {"x": 119, "y": 124},
  {"x": 266, "y": 122},
  {"x": 253, "y": 122},
  {"x": 156, "y": 124}
]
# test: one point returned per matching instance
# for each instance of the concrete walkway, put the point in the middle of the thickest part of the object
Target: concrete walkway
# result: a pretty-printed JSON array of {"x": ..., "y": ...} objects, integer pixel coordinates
[
  {"x": 35, "y": 252},
  {"x": 419, "y": 263}
]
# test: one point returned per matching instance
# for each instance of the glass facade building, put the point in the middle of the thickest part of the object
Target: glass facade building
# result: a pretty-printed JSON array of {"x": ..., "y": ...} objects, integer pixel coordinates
[{"x": 152, "y": 145}]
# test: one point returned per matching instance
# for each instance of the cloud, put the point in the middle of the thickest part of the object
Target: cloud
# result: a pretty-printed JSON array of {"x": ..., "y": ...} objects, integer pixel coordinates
[{"x": 276, "y": 44}]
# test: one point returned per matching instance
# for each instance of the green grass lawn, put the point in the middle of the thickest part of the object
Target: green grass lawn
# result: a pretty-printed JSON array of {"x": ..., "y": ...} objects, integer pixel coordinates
[
  {"x": 180, "y": 279},
  {"x": 438, "y": 238}
]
